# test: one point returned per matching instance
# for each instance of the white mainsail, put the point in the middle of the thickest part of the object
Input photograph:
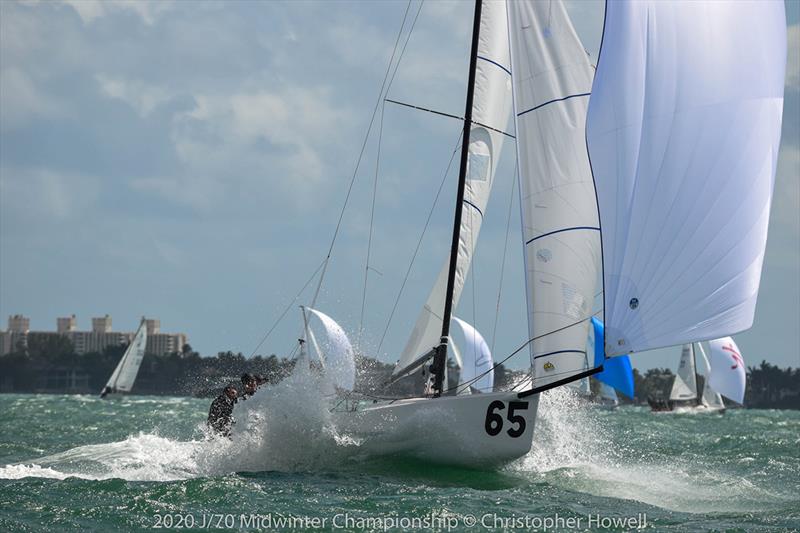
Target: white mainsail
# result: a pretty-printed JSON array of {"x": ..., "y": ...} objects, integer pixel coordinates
[
  {"x": 683, "y": 132},
  {"x": 727, "y": 369},
  {"x": 685, "y": 385},
  {"x": 491, "y": 107},
  {"x": 711, "y": 398},
  {"x": 127, "y": 369},
  {"x": 552, "y": 80},
  {"x": 336, "y": 353},
  {"x": 477, "y": 367}
]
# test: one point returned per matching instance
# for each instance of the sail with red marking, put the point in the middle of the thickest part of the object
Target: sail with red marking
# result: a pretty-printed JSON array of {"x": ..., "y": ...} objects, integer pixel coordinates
[{"x": 728, "y": 374}]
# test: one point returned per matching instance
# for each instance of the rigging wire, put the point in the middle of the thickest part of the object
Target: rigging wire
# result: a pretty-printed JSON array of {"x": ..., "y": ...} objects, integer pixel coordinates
[
  {"x": 377, "y": 166},
  {"x": 360, "y": 156},
  {"x": 285, "y": 311},
  {"x": 419, "y": 242},
  {"x": 505, "y": 249}
]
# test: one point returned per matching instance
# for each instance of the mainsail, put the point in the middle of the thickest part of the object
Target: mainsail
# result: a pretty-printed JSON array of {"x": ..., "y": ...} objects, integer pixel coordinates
[
  {"x": 727, "y": 369},
  {"x": 683, "y": 132},
  {"x": 685, "y": 385},
  {"x": 491, "y": 106},
  {"x": 124, "y": 375},
  {"x": 552, "y": 80}
]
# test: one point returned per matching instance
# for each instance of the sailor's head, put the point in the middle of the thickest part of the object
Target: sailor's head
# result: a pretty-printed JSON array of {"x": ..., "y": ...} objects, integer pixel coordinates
[
  {"x": 249, "y": 382},
  {"x": 231, "y": 392}
]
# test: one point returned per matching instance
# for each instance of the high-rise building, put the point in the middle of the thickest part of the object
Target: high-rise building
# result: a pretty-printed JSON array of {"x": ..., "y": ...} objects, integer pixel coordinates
[
  {"x": 19, "y": 324},
  {"x": 153, "y": 326},
  {"x": 65, "y": 324},
  {"x": 101, "y": 324}
]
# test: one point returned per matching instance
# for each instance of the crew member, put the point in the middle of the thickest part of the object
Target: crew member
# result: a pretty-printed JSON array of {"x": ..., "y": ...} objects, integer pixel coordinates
[
  {"x": 220, "y": 416},
  {"x": 249, "y": 386}
]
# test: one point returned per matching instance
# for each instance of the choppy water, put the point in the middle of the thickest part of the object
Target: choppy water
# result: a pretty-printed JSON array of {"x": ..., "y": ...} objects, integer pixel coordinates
[{"x": 134, "y": 463}]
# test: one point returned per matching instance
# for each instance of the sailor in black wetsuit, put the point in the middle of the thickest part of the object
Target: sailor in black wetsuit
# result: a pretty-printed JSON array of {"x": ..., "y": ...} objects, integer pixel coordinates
[
  {"x": 220, "y": 416},
  {"x": 249, "y": 386}
]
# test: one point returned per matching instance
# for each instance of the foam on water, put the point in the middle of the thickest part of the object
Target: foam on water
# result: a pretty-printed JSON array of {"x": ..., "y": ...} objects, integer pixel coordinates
[
  {"x": 284, "y": 427},
  {"x": 574, "y": 449}
]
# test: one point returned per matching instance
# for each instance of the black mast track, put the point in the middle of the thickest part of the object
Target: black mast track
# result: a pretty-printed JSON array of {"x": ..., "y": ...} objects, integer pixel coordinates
[{"x": 440, "y": 359}]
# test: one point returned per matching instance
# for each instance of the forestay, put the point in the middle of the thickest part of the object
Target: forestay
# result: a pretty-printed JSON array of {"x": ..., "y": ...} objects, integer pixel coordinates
[
  {"x": 477, "y": 367},
  {"x": 685, "y": 385},
  {"x": 491, "y": 107},
  {"x": 124, "y": 375},
  {"x": 727, "y": 369},
  {"x": 552, "y": 80},
  {"x": 336, "y": 352},
  {"x": 683, "y": 132}
]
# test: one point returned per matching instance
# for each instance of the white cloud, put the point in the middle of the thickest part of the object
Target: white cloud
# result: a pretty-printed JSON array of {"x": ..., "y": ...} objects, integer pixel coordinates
[
  {"x": 140, "y": 96},
  {"x": 21, "y": 99},
  {"x": 44, "y": 194},
  {"x": 91, "y": 10}
]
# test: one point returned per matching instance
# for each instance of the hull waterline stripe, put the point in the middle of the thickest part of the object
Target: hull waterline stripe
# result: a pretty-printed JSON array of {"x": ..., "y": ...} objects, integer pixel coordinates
[
  {"x": 562, "y": 230},
  {"x": 495, "y": 63},
  {"x": 560, "y": 382},
  {"x": 552, "y": 102}
]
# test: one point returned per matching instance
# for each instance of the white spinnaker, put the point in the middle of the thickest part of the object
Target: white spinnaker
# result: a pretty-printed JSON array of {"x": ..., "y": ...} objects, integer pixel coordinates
[
  {"x": 683, "y": 132},
  {"x": 476, "y": 359},
  {"x": 552, "y": 80},
  {"x": 711, "y": 398},
  {"x": 491, "y": 107},
  {"x": 124, "y": 375},
  {"x": 685, "y": 385},
  {"x": 608, "y": 394},
  {"x": 727, "y": 369},
  {"x": 337, "y": 352}
]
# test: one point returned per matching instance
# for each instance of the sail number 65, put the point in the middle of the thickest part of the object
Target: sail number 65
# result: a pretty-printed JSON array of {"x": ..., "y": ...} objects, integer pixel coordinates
[{"x": 494, "y": 420}]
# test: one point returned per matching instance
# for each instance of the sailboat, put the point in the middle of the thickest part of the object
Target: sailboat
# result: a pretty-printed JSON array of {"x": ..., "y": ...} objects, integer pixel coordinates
[
  {"x": 127, "y": 369},
  {"x": 607, "y": 397},
  {"x": 685, "y": 394},
  {"x": 679, "y": 120}
]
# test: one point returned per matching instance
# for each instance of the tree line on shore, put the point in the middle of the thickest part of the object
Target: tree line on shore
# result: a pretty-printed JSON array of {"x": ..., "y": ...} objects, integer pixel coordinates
[{"x": 44, "y": 364}]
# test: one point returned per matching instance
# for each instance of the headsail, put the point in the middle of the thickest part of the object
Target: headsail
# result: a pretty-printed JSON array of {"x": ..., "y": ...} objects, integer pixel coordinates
[
  {"x": 683, "y": 132},
  {"x": 685, "y": 385},
  {"x": 552, "y": 80},
  {"x": 336, "y": 352},
  {"x": 477, "y": 367},
  {"x": 491, "y": 106},
  {"x": 711, "y": 398},
  {"x": 124, "y": 375},
  {"x": 608, "y": 395},
  {"x": 727, "y": 369}
]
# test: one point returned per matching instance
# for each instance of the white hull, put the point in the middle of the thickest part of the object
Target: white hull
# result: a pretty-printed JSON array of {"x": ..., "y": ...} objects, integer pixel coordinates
[{"x": 478, "y": 430}]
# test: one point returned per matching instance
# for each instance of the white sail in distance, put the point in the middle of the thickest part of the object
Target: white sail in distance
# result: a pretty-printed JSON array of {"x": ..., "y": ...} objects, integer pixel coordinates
[
  {"x": 608, "y": 395},
  {"x": 551, "y": 85},
  {"x": 683, "y": 132},
  {"x": 685, "y": 385},
  {"x": 728, "y": 375},
  {"x": 711, "y": 398},
  {"x": 477, "y": 367},
  {"x": 336, "y": 352},
  {"x": 127, "y": 369},
  {"x": 491, "y": 107}
]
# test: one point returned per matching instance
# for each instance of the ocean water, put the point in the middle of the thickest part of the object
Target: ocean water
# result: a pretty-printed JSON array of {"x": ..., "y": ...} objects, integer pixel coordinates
[{"x": 78, "y": 463}]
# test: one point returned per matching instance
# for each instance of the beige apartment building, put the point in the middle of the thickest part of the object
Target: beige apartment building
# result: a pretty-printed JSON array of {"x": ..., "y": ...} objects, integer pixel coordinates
[{"x": 98, "y": 339}]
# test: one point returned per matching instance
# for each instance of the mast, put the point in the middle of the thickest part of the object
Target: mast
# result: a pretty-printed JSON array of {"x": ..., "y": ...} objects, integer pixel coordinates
[{"x": 440, "y": 358}]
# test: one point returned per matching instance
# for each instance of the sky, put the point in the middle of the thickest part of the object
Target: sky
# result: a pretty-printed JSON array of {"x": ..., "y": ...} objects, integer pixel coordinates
[{"x": 188, "y": 161}]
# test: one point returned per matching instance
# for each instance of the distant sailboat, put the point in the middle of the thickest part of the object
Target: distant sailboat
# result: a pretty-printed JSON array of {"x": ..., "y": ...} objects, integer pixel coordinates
[
  {"x": 127, "y": 369},
  {"x": 607, "y": 397}
]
